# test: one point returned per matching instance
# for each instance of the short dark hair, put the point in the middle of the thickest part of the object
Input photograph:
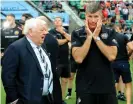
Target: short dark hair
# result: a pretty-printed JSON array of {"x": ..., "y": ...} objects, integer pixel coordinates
[
  {"x": 93, "y": 6},
  {"x": 58, "y": 17},
  {"x": 27, "y": 16},
  {"x": 12, "y": 15}
]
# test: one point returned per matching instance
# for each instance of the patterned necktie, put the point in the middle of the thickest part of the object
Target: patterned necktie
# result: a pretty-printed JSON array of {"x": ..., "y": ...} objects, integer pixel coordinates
[{"x": 48, "y": 73}]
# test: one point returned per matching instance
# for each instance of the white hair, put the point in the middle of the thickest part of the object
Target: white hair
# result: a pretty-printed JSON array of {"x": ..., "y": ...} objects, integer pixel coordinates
[
  {"x": 45, "y": 20},
  {"x": 31, "y": 23}
]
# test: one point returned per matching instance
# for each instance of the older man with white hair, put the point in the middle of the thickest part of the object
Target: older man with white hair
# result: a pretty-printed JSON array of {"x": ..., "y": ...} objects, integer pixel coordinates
[{"x": 26, "y": 69}]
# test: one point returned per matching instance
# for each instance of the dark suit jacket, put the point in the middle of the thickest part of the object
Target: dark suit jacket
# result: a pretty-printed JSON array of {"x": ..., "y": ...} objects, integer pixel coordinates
[
  {"x": 52, "y": 47},
  {"x": 21, "y": 73}
]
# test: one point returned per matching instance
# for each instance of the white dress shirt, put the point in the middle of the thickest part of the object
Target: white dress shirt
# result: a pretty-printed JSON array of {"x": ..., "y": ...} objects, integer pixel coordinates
[{"x": 42, "y": 65}]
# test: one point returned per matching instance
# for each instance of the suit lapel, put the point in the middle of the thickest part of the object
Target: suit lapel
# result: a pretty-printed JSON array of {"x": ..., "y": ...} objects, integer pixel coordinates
[
  {"x": 44, "y": 47},
  {"x": 33, "y": 54}
]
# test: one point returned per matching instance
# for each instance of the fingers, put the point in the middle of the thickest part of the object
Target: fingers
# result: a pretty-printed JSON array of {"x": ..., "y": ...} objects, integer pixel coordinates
[
  {"x": 88, "y": 31},
  {"x": 99, "y": 23},
  {"x": 86, "y": 24},
  {"x": 60, "y": 30},
  {"x": 98, "y": 28}
]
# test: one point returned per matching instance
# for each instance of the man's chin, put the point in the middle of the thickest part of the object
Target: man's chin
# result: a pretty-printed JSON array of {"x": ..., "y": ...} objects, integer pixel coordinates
[
  {"x": 92, "y": 27},
  {"x": 41, "y": 42}
]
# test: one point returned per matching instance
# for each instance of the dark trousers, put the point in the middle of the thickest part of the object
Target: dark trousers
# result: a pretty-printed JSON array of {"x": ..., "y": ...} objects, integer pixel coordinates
[
  {"x": 44, "y": 100},
  {"x": 47, "y": 99},
  {"x": 97, "y": 99},
  {"x": 125, "y": 17},
  {"x": 57, "y": 93}
]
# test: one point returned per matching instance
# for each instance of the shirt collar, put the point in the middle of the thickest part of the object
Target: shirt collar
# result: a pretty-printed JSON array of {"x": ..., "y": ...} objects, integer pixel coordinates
[{"x": 31, "y": 42}]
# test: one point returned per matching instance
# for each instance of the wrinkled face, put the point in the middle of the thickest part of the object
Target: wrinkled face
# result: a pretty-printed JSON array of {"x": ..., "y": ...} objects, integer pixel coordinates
[
  {"x": 11, "y": 20},
  {"x": 38, "y": 33},
  {"x": 57, "y": 22},
  {"x": 93, "y": 18}
]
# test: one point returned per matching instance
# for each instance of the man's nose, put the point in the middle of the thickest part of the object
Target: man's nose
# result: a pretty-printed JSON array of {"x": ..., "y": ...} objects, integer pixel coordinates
[{"x": 93, "y": 20}]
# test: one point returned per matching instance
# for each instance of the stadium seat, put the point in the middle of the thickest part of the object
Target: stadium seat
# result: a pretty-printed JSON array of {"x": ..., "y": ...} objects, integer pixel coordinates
[
  {"x": 121, "y": 16},
  {"x": 78, "y": 6},
  {"x": 72, "y": 3},
  {"x": 44, "y": 6},
  {"x": 116, "y": 22},
  {"x": 131, "y": 21},
  {"x": 129, "y": 24},
  {"x": 78, "y": 2},
  {"x": 82, "y": 15},
  {"x": 36, "y": 3},
  {"x": 127, "y": 21},
  {"x": 49, "y": 7}
]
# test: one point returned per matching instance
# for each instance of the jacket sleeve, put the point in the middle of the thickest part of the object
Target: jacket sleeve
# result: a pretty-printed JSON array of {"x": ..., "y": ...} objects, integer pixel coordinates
[
  {"x": 75, "y": 40},
  {"x": 10, "y": 63}
]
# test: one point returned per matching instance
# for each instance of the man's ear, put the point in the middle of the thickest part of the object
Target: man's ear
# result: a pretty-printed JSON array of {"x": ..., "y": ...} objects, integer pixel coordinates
[
  {"x": 103, "y": 19},
  {"x": 30, "y": 32}
]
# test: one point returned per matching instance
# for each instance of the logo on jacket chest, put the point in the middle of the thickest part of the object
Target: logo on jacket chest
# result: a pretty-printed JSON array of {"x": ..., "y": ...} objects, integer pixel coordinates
[
  {"x": 82, "y": 36},
  {"x": 104, "y": 35}
]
